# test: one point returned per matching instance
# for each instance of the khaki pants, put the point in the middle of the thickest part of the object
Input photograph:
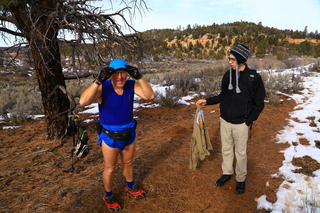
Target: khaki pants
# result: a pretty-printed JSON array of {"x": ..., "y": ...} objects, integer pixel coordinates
[{"x": 234, "y": 139}]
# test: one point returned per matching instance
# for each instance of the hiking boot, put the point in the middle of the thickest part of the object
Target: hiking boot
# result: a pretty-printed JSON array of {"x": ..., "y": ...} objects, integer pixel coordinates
[
  {"x": 136, "y": 193},
  {"x": 222, "y": 180},
  {"x": 111, "y": 203},
  {"x": 241, "y": 187}
]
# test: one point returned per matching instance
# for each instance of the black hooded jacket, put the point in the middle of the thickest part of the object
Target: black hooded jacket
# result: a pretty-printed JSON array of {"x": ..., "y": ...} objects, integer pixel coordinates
[{"x": 237, "y": 108}]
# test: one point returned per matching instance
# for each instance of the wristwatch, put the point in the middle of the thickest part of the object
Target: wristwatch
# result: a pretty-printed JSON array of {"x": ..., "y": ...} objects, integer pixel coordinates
[{"x": 97, "y": 82}]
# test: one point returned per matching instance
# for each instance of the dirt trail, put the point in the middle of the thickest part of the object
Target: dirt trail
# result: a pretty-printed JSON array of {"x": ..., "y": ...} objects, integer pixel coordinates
[{"x": 35, "y": 180}]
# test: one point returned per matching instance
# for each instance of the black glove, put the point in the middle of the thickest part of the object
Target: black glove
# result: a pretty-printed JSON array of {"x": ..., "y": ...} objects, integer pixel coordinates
[
  {"x": 104, "y": 74},
  {"x": 134, "y": 72}
]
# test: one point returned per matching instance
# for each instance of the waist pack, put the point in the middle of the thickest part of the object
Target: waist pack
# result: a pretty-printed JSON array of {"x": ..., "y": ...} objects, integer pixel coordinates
[
  {"x": 116, "y": 135},
  {"x": 119, "y": 135}
]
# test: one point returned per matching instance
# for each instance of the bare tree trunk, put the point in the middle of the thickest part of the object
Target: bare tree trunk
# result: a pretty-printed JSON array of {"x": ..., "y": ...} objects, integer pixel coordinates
[
  {"x": 55, "y": 102},
  {"x": 41, "y": 33}
]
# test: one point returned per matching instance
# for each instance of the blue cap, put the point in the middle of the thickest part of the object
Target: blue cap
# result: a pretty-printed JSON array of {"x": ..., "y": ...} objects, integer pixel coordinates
[{"x": 117, "y": 64}]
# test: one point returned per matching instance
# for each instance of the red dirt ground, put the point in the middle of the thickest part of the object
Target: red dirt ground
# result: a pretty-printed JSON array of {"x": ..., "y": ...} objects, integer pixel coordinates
[{"x": 35, "y": 180}]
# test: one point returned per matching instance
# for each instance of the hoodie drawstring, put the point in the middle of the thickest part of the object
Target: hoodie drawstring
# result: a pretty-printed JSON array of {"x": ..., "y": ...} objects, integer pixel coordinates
[
  {"x": 230, "y": 84},
  {"x": 230, "y": 87},
  {"x": 237, "y": 85}
]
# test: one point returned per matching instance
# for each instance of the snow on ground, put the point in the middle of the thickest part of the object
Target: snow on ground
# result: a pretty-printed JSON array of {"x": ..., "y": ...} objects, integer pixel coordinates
[{"x": 298, "y": 192}]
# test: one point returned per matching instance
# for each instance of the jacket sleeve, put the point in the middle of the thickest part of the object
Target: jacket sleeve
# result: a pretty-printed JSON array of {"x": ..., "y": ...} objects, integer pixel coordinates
[
  {"x": 258, "y": 100},
  {"x": 219, "y": 98}
]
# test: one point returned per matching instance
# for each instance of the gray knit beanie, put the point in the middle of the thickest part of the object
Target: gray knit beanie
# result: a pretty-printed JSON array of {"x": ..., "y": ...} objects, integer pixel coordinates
[{"x": 241, "y": 53}]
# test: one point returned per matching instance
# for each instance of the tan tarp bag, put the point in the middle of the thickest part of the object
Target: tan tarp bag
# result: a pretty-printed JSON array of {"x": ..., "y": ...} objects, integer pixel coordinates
[{"x": 200, "y": 141}]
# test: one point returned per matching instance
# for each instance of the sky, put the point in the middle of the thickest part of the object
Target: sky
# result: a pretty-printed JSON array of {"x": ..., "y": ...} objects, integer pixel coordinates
[{"x": 280, "y": 14}]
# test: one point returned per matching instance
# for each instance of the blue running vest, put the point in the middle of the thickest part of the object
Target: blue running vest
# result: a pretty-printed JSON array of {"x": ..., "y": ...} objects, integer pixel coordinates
[{"x": 116, "y": 109}]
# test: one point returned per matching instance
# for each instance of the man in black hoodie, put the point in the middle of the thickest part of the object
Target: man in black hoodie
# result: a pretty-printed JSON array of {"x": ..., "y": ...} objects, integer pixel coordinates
[{"x": 241, "y": 102}]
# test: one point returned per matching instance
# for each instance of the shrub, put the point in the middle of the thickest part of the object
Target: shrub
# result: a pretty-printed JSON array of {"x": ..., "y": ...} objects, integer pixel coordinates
[
  {"x": 6, "y": 103},
  {"x": 271, "y": 83},
  {"x": 156, "y": 57},
  {"x": 297, "y": 84},
  {"x": 210, "y": 86},
  {"x": 292, "y": 62},
  {"x": 18, "y": 103},
  {"x": 182, "y": 81},
  {"x": 16, "y": 106},
  {"x": 275, "y": 82},
  {"x": 76, "y": 87},
  {"x": 274, "y": 99},
  {"x": 278, "y": 81},
  {"x": 266, "y": 64},
  {"x": 170, "y": 98},
  {"x": 315, "y": 67}
]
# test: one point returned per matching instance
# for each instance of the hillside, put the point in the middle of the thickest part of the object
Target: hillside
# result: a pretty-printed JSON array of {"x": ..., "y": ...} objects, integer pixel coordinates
[
  {"x": 200, "y": 42},
  {"x": 213, "y": 42}
]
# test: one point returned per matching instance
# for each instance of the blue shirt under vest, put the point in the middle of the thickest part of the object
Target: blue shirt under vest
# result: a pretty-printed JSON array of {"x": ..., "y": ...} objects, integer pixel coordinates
[{"x": 116, "y": 109}]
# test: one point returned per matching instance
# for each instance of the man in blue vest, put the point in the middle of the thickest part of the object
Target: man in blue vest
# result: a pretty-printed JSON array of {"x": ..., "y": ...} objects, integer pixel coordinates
[
  {"x": 241, "y": 102},
  {"x": 117, "y": 127}
]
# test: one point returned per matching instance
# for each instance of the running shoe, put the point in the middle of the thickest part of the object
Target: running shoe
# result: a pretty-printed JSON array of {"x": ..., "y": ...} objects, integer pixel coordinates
[
  {"x": 136, "y": 193},
  {"x": 112, "y": 205}
]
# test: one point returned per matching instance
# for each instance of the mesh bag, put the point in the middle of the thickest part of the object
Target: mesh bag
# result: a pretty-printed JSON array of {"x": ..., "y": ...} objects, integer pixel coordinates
[{"x": 81, "y": 147}]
